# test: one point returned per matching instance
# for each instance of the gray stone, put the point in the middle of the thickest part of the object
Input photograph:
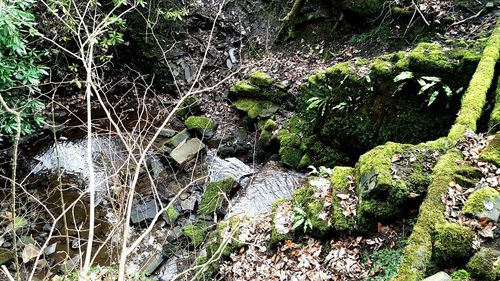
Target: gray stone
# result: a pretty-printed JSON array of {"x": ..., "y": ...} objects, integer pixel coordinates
[
  {"x": 187, "y": 150},
  {"x": 178, "y": 138},
  {"x": 220, "y": 169},
  {"x": 155, "y": 167},
  {"x": 492, "y": 211},
  {"x": 440, "y": 276},
  {"x": 188, "y": 204},
  {"x": 151, "y": 264},
  {"x": 143, "y": 211},
  {"x": 174, "y": 233},
  {"x": 49, "y": 250},
  {"x": 167, "y": 133}
]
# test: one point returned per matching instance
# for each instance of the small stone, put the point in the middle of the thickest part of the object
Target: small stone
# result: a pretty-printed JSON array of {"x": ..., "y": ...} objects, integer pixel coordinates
[
  {"x": 167, "y": 133},
  {"x": 178, "y": 138},
  {"x": 174, "y": 234},
  {"x": 47, "y": 227},
  {"x": 188, "y": 204},
  {"x": 49, "y": 250}
]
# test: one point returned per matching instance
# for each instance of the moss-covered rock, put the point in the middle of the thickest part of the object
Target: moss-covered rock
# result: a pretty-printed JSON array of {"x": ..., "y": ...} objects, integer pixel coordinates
[
  {"x": 201, "y": 125},
  {"x": 291, "y": 156},
  {"x": 171, "y": 215},
  {"x": 196, "y": 233},
  {"x": 492, "y": 152},
  {"x": 255, "y": 108},
  {"x": 341, "y": 178},
  {"x": 452, "y": 242},
  {"x": 244, "y": 88},
  {"x": 215, "y": 195},
  {"x": 476, "y": 204},
  {"x": 310, "y": 200},
  {"x": 261, "y": 79},
  {"x": 485, "y": 265},
  {"x": 362, "y": 106},
  {"x": 494, "y": 123}
]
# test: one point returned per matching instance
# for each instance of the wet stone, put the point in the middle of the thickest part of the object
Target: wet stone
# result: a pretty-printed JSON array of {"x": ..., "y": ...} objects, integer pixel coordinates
[{"x": 187, "y": 150}]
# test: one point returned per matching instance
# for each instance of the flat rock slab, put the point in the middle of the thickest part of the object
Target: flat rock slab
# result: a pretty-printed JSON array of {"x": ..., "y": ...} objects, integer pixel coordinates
[
  {"x": 143, "y": 211},
  {"x": 225, "y": 168},
  {"x": 267, "y": 185},
  {"x": 440, "y": 276},
  {"x": 187, "y": 150}
]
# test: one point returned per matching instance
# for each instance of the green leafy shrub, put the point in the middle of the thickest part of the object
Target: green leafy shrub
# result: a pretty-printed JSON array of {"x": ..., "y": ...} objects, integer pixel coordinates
[{"x": 20, "y": 68}]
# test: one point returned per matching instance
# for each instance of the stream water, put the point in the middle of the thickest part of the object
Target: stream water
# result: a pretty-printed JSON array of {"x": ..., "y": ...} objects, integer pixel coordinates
[{"x": 57, "y": 171}]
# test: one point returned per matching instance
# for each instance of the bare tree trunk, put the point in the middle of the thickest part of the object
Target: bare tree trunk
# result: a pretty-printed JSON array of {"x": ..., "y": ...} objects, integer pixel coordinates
[{"x": 288, "y": 22}]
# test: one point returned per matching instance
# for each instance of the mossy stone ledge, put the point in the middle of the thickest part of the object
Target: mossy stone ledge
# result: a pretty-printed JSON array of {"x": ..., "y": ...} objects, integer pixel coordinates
[{"x": 492, "y": 152}]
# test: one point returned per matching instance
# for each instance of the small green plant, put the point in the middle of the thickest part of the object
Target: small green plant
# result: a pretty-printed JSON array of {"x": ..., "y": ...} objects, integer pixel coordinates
[
  {"x": 385, "y": 263},
  {"x": 301, "y": 219},
  {"x": 173, "y": 14},
  {"x": 430, "y": 85}
]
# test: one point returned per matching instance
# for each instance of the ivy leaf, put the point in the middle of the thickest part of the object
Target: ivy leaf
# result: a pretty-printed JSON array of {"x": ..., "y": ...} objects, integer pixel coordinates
[{"x": 405, "y": 75}]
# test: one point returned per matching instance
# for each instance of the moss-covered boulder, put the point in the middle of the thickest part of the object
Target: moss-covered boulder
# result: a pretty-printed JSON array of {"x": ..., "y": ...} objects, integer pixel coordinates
[
  {"x": 485, "y": 265},
  {"x": 367, "y": 103},
  {"x": 215, "y": 195},
  {"x": 260, "y": 78},
  {"x": 484, "y": 202},
  {"x": 190, "y": 106},
  {"x": 452, "y": 242},
  {"x": 201, "y": 126},
  {"x": 492, "y": 152},
  {"x": 390, "y": 176},
  {"x": 494, "y": 122}
]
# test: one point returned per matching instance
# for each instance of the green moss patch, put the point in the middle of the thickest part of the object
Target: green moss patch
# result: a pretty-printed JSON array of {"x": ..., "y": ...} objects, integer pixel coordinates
[
  {"x": 256, "y": 108},
  {"x": 196, "y": 233},
  {"x": 341, "y": 180},
  {"x": 215, "y": 195}
]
